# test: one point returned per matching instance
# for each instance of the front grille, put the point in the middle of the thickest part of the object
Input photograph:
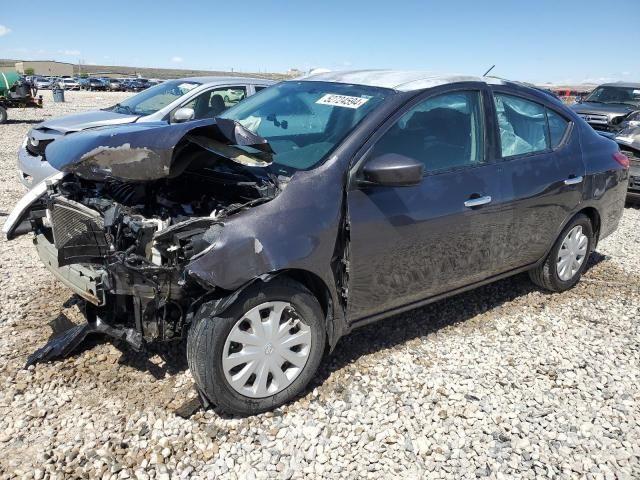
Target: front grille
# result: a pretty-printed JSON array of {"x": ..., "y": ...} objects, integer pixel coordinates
[
  {"x": 70, "y": 220},
  {"x": 597, "y": 121}
]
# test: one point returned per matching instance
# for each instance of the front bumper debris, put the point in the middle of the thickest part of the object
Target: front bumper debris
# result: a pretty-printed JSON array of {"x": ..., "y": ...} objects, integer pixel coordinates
[{"x": 67, "y": 336}]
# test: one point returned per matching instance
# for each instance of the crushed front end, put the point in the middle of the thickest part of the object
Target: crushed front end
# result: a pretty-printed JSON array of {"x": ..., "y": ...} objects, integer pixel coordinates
[{"x": 124, "y": 245}]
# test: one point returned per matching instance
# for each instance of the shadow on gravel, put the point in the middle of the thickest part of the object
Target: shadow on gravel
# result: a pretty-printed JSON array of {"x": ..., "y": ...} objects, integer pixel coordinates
[{"x": 173, "y": 356}]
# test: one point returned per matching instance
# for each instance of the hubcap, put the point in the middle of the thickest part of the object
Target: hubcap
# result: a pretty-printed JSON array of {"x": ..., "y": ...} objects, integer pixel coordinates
[
  {"x": 266, "y": 350},
  {"x": 572, "y": 253}
]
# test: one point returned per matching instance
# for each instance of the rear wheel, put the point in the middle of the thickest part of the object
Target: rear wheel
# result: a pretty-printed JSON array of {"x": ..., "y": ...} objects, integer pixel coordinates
[
  {"x": 3, "y": 115},
  {"x": 261, "y": 352},
  {"x": 568, "y": 258}
]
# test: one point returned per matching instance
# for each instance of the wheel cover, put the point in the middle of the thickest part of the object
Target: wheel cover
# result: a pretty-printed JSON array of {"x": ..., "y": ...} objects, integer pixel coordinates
[
  {"x": 266, "y": 350},
  {"x": 572, "y": 253}
]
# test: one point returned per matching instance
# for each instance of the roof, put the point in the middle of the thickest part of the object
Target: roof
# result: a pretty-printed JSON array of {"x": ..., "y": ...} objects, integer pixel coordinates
[
  {"x": 622, "y": 84},
  {"x": 226, "y": 80},
  {"x": 396, "y": 79}
]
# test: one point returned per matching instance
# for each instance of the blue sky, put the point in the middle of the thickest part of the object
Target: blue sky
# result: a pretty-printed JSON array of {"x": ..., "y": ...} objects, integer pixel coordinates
[{"x": 530, "y": 40}]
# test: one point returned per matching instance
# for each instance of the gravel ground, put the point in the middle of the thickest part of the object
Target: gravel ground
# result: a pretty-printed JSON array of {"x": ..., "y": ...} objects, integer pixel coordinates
[{"x": 501, "y": 382}]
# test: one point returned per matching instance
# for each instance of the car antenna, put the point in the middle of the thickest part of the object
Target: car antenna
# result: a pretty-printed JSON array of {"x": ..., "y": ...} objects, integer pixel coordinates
[{"x": 487, "y": 72}]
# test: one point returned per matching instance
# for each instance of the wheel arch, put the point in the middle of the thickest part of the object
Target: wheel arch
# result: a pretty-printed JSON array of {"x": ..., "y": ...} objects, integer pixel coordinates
[
  {"x": 320, "y": 290},
  {"x": 314, "y": 283},
  {"x": 593, "y": 215}
]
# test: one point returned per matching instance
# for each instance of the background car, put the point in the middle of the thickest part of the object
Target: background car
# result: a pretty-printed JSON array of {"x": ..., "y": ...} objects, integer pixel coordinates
[
  {"x": 607, "y": 105},
  {"x": 42, "y": 83},
  {"x": 114, "y": 84},
  {"x": 197, "y": 97},
  {"x": 133, "y": 85},
  {"x": 93, "y": 84},
  {"x": 232, "y": 96},
  {"x": 68, "y": 84}
]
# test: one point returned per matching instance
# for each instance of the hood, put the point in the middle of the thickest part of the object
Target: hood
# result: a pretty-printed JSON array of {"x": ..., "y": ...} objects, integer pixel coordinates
[
  {"x": 609, "y": 109},
  {"x": 629, "y": 137},
  {"x": 82, "y": 121},
  {"x": 145, "y": 151}
]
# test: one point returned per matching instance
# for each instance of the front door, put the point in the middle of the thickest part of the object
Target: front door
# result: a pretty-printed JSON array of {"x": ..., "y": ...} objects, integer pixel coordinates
[{"x": 410, "y": 243}]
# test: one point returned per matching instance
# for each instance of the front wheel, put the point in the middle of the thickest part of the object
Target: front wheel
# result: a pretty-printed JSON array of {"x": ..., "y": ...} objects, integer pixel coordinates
[
  {"x": 262, "y": 351},
  {"x": 3, "y": 115},
  {"x": 568, "y": 258}
]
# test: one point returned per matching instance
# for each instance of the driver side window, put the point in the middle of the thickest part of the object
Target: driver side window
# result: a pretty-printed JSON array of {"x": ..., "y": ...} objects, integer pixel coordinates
[
  {"x": 443, "y": 132},
  {"x": 212, "y": 103}
]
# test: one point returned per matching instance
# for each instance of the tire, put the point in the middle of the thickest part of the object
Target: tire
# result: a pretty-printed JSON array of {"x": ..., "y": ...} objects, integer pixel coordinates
[
  {"x": 3, "y": 115},
  {"x": 209, "y": 340},
  {"x": 546, "y": 274}
]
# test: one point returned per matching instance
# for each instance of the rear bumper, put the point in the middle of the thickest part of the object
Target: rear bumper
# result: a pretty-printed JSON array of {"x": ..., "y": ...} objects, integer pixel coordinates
[{"x": 85, "y": 281}]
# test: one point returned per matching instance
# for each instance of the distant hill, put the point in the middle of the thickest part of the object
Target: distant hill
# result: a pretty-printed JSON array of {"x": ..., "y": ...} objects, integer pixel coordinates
[{"x": 151, "y": 72}]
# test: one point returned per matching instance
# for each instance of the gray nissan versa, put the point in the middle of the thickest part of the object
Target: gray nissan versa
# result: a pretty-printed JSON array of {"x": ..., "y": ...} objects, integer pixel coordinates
[{"x": 311, "y": 208}]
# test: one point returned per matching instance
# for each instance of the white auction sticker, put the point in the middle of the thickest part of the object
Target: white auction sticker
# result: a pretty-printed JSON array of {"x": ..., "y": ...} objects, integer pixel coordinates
[{"x": 342, "y": 101}]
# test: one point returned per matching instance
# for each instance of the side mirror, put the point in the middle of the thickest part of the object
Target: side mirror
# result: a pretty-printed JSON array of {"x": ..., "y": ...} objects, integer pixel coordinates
[
  {"x": 183, "y": 114},
  {"x": 392, "y": 170}
]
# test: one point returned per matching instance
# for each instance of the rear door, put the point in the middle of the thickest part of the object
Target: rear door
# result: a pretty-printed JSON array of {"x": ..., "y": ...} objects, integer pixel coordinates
[
  {"x": 410, "y": 243},
  {"x": 542, "y": 170}
]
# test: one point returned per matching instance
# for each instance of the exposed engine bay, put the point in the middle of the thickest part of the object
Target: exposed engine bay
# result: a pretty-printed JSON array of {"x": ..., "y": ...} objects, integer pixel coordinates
[{"x": 123, "y": 245}]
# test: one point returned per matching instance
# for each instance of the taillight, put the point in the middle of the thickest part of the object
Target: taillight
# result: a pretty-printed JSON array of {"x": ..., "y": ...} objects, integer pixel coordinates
[{"x": 622, "y": 159}]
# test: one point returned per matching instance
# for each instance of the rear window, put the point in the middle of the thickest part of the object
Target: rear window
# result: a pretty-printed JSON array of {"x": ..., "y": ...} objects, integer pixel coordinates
[
  {"x": 527, "y": 127},
  {"x": 523, "y": 125}
]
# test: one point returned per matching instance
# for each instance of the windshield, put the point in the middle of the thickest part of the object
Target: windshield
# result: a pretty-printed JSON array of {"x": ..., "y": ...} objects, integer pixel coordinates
[
  {"x": 625, "y": 95},
  {"x": 304, "y": 121},
  {"x": 154, "y": 98}
]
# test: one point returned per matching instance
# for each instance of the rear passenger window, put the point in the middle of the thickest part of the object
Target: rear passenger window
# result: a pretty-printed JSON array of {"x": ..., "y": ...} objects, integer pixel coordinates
[
  {"x": 557, "y": 128},
  {"x": 443, "y": 132},
  {"x": 523, "y": 126}
]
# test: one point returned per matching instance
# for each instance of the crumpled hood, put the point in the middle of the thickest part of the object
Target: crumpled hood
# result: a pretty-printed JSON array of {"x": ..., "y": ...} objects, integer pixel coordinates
[
  {"x": 611, "y": 110},
  {"x": 630, "y": 137},
  {"x": 82, "y": 121},
  {"x": 145, "y": 151}
]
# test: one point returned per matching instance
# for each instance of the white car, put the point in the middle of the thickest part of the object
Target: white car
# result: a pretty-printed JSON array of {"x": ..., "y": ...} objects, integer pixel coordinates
[
  {"x": 42, "y": 83},
  {"x": 69, "y": 84}
]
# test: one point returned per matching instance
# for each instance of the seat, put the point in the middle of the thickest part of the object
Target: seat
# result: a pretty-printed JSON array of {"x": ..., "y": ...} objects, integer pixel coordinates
[
  {"x": 209, "y": 108},
  {"x": 217, "y": 105}
]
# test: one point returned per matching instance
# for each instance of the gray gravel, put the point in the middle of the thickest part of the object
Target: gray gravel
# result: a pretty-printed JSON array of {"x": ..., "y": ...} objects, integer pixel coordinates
[{"x": 501, "y": 382}]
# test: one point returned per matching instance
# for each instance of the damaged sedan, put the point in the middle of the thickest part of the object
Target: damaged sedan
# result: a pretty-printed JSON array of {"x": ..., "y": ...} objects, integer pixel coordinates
[{"x": 311, "y": 208}]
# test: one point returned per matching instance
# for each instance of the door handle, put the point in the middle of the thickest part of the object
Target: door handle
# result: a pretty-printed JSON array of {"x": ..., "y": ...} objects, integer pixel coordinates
[
  {"x": 476, "y": 202},
  {"x": 573, "y": 180}
]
